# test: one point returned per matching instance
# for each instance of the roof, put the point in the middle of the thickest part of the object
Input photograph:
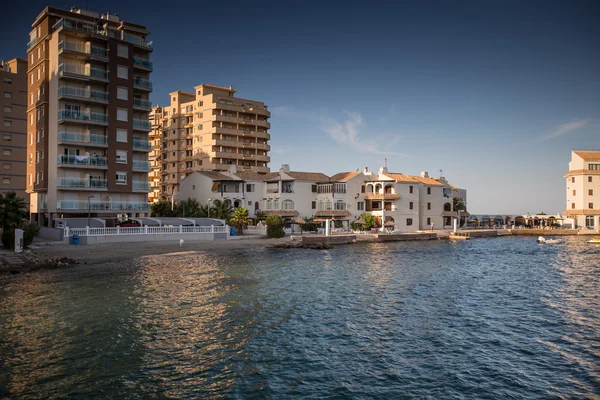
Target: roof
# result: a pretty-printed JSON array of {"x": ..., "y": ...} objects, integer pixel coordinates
[
  {"x": 281, "y": 213},
  {"x": 582, "y": 172},
  {"x": 582, "y": 212},
  {"x": 344, "y": 176},
  {"x": 332, "y": 213},
  {"x": 215, "y": 175},
  {"x": 308, "y": 176},
  {"x": 401, "y": 177},
  {"x": 251, "y": 175},
  {"x": 588, "y": 155},
  {"x": 427, "y": 181}
]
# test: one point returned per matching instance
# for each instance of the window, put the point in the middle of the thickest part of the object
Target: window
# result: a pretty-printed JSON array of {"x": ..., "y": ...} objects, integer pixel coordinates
[
  {"x": 6, "y": 181},
  {"x": 428, "y": 190},
  {"x": 287, "y": 205},
  {"x": 42, "y": 89},
  {"x": 122, "y": 114},
  {"x": 31, "y": 98},
  {"x": 328, "y": 204},
  {"x": 7, "y": 109},
  {"x": 429, "y": 206},
  {"x": 313, "y": 188},
  {"x": 409, "y": 222},
  {"x": 411, "y": 189},
  {"x": 31, "y": 79},
  {"x": 313, "y": 205},
  {"x": 7, "y": 123},
  {"x": 31, "y": 58},
  {"x": 7, "y": 80},
  {"x": 31, "y": 119},
  {"x": 589, "y": 221},
  {"x": 41, "y": 175},
  {"x": 362, "y": 189},
  {"x": 38, "y": 94},
  {"x": 591, "y": 206},
  {"x": 121, "y": 178},
  {"x": 42, "y": 132},
  {"x": 37, "y": 115},
  {"x": 572, "y": 206},
  {"x": 360, "y": 206},
  {"x": 410, "y": 205},
  {"x": 123, "y": 51},
  {"x": 590, "y": 192},
  {"x": 122, "y": 156},
  {"x": 37, "y": 136},
  {"x": 39, "y": 49},
  {"x": 340, "y": 205},
  {"x": 250, "y": 187},
  {"x": 122, "y": 135},
  {"x": 122, "y": 72},
  {"x": 594, "y": 167},
  {"x": 8, "y": 95},
  {"x": 37, "y": 157},
  {"x": 30, "y": 158},
  {"x": 30, "y": 179},
  {"x": 42, "y": 155},
  {"x": 8, "y": 138},
  {"x": 31, "y": 138},
  {"x": 589, "y": 177},
  {"x": 39, "y": 72},
  {"x": 122, "y": 93},
  {"x": 573, "y": 179},
  {"x": 428, "y": 221},
  {"x": 6, "y": 166},
  {"x": 574, "y": 191},
  {"x": 37, "y": 178},
  {"x": 7, "y": 152}
]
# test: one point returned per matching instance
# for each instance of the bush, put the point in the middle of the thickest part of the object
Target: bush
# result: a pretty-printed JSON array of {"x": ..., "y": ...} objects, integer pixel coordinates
[
  {"x": 275, "y": 226},
  {"x": 8, "y": 238},
  {"x": 30, "y": 231}
]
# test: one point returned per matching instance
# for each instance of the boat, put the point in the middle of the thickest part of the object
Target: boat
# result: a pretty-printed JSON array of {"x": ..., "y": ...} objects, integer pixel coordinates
[
  {"x": 594, "y": 241},
  {"x": 543, "y": 240}
]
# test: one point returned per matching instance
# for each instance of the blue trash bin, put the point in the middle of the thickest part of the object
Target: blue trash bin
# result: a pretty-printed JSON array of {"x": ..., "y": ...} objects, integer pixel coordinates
[
  {"x": 75, "y": 239},
  {"x": 232, "y": 232}
]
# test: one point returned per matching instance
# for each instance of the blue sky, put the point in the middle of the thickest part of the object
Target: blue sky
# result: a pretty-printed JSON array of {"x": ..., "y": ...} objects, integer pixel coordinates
[{"x": 495, "y": 94}]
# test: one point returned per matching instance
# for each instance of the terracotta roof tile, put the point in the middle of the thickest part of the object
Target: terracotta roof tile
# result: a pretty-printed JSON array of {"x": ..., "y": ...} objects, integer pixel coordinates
[
  {"x": 581, "y": 172},
  {"x": 215, "y": 175},
  {"x": 427, "y": 181},
  {"x": 582, "y": 212},
  {"x": 401, "y": 177},
  {"x": 308, "y": 176},
  {"x": 251, "y": 175},
  {"x": 343, "y": 176},
  {"x": 332, "y": 213},
  {"x": 589, "y": 155}
]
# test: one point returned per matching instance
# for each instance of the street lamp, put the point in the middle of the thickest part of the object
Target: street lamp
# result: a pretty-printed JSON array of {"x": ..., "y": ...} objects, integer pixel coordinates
[
  {"x": 208, "y": 202},
  {"x": 89, "y": 208}
]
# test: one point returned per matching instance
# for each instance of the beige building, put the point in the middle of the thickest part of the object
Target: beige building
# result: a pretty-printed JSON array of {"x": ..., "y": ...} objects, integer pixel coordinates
[
  {"x": 87, "y": 122},
  {"x": 13, "y": 88},
  {"x": 208, "y": 129},
  {"x": 583, "y": 189}
]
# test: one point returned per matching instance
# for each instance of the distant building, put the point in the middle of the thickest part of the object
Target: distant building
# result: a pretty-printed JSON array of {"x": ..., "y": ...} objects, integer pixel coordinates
[
  {"x": 13, "y": 113},
  {"x": 87, "y": 115},
  {"x": 583, "y": 189}
]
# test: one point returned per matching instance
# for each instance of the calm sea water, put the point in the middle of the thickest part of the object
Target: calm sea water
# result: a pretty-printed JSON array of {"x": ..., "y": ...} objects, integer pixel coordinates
[{"x": 487, "y": 318}]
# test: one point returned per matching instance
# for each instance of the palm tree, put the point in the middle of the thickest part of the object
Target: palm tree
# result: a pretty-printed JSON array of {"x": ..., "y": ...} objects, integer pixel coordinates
[
  {"x": 240, "y": 218},
  {"x": 189, "y": 208},
  {"x": 459, "y": 204},
  {"x": 12, "y": 210},
  {"x": 161, "y": 208},
  {"x": 203, "y": 210},
  {"x": 221, "y": 209}
]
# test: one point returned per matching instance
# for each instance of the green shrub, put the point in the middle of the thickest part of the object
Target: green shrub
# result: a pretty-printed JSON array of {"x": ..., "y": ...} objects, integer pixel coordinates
[
  {"x": 8, "y": 238},
  {"x": 275, "y": 226},
  {"x": 30, "y": 231}
]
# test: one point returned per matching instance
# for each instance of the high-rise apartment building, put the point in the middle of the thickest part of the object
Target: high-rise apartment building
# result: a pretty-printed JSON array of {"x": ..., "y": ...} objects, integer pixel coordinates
[
  {"x": 13, "y": 89},
  {"x": 87, "y": 122},
  {"x": 208, "y": 129}
]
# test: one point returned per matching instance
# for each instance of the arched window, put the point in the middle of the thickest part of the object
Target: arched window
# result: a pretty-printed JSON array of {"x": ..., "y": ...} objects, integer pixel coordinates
[
  {"x": 370, "y": 188},
  {"x": 256, "y": 206},
  {"x": 320, "y": 205},
  {"x": 389, "y": 189},
  {"x": 236, "y": 203},
  {"x": 275, "y": 204},
  {"x": 269, "y": 205},
  {"x": 328, "y": 205},
  {"x": 340, "y": 205},
  {"x": 287, "y": 205}
]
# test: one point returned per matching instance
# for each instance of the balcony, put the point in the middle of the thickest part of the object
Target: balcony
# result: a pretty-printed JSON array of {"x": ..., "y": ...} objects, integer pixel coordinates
[
  {"x": 143, "y": 84},
  {"x": 227, "y": 118},
  {"x": 140, "y": 144},
  {"x": 75, "y": 71},
  {"x": 31, "y": 44},
  {"x": 142, "y": 63},
  {"x": 140, "y": 165},
  {"x": 379, "y": 196},
  {"x": 223, "y": 154},
  {"x": 81, "y": 183},
  {"x": 84, "y": 205},
  {"x": 140, "y": 186},
  {"x": 80, "y": 27},
  {"x": 136, "y": 40},
  {"x": 71, "y": 92},
  {"x": 142, "y": 104},
  {"x": 82, "y": 49},
  {"x": 86, "y": 139},
  {"x": 94, "y": 162},
  {"x": 142, "y": 125},
  {"x": 87, "y": 118},
  {"x": 262, "y": 123},
  {"x": 261, "y": 158}
]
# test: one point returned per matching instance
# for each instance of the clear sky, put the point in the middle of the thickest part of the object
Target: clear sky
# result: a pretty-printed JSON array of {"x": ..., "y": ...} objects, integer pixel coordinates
[{"x": 495, "y": 94}]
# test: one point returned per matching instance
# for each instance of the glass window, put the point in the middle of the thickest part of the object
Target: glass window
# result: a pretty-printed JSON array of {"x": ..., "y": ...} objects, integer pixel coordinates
[
  {"x": 8, "y": 138},
  {"x": 122, "y": 135},
  {"x": 121, "y": 178},
  {"x": 6, "y": 181},
  {"x": 122, "y": 114},
  {"x": 7, "y": 123},
  {"x": 7, "y": 109},
  {"x": 8, "y": 95},
  {"x": 122, "y": 156},
  {"x": 122, "y": 72},
  {"x": 7, "y": 152},
  {"x": 122, "y": 93},
  {"x": 409, "y": 221},
  {"x": 7, "y": 80},
  {"x": 123, "y": 51}
]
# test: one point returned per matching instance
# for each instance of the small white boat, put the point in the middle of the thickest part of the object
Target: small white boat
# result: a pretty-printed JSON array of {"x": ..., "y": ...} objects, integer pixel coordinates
[
  {"x": 543, "y": 240},
  {"x": 594, "y": 241}
]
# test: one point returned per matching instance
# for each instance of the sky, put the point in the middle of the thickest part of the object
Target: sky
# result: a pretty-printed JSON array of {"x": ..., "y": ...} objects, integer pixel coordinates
[{"x": 493, "y": 95}]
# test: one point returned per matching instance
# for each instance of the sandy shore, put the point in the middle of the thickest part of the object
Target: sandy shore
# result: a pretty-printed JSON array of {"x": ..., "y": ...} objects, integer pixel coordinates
[{"x": 101, "y": 253}]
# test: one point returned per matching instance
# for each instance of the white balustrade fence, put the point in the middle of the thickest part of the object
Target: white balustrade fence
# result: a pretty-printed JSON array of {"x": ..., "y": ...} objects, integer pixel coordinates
[{"x": 145, "y": 230}]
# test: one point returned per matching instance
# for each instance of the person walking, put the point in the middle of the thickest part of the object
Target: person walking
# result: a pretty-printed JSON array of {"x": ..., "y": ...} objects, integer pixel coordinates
[{"x": 432, "y": 225}]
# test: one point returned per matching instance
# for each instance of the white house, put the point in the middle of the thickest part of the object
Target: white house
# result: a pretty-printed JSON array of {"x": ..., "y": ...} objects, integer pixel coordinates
[{"x": 583, "y": 189}]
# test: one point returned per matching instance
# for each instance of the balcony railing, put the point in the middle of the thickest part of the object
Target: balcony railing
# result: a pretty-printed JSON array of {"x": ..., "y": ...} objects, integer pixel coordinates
[
  {"x": 92, "y": 116},
  {"x": 142, "y": 144},
  {"x": 82, "y": 71},
  {"x": 81, "y": 48},
  {"x": 32, "y": 43},
  {"x": 82, "y": 93},
  {"x": 81, "y": 138},
  {"x": 81, "y": 183},
  {"x": 141, "y": 103},
  {"x": 142, "y": 62},
  {"x": 143, "y": 83},
  {"x": 140, "y": 185},
  {"x": 136, "y": 40},
  {"x": 80, "y": 26},
  {"x": 102, "y": 205},
  {"x": 143, "y": 165},
  {"x": 142, "y": 124},
  {"x": 95, "y": 161}
]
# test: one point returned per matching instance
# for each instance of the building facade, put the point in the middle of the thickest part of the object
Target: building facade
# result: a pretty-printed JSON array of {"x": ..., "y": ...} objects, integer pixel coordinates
[
  {"x": 13, "y": 103},
  {"x": 88, "y": 101},
  {"x": 208, "y": 129},
  {"x": 583, "y": 189}
]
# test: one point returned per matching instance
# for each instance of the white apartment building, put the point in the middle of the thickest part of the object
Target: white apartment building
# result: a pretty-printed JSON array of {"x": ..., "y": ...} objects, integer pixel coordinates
[
  {"x": 583, "y": 189},
  {"x": 408, "y": 203}
]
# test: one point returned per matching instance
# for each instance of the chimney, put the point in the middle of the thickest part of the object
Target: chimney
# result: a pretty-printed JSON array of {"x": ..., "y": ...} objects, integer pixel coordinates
[
  {"x": 424, "y": 174},
  {"x": 383, "y": 170}
]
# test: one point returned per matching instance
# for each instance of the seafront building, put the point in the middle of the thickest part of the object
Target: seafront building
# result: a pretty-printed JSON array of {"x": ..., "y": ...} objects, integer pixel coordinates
[
  {"x": 207, "y": 129},
  {"x": 583, "y": 189},
  {"x": 88, "y": 87},
  {"x": 13, "y": 103},
  {"x": 404, "y": 203}
]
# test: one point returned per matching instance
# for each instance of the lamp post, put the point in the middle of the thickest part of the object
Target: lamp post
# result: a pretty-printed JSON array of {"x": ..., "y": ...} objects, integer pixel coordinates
[
  {"x": 89, "y": 209},
  {"x": 208, "y": 209}
]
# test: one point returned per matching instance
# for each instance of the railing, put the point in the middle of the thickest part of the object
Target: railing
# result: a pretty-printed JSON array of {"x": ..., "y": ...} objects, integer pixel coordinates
[
  {"x": 145, "y": 83},
  {"x": 142, "y": 144},
  {"x": 70, "y": 114},
  {"x": 81, "y": 138},
  {"x": 146, "y": 104},
  {"x": 142, "y": 124},
  {"x": 96, "y": 161},
  {"x": 102, "y": 205},
  {"x": 145, "y": 230},
  {"x": 79, "y": 26},
  {"x": 142, "y": 62},
  {"x": 81, "y": 48},
  {"x": 140, "y": 185},
  {"x": 32, "y": 43},
  {"x": 81, "y": 183},
  {"x": 82, "y": 93},
  {"x": 145, "y": 165},
  {"x": 135, "y": 40},
  {"x": 83, "y": 71}
]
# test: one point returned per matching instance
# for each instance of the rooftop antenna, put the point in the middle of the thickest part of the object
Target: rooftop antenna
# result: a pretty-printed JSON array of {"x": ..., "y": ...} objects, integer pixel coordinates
[
  {"x": 441, "y": 173},
  {"x": 385, "y": 161}
]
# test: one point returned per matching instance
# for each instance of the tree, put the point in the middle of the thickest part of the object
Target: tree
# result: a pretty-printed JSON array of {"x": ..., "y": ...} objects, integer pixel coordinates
[
  {"x": 458, "y": 204},
  {"x": 188, "y": 208},
  {"x": 370, "y": 221},
  {"x": 275, "y": 226},
  {"x": 162, "y": 208},
  {"x": 12, "y": 210},
  {"x": 221, "y": 209},
  {"x": 240, "y": 218},
  {"x": 308, "y": 225},
  {"x": 203, "y": 211}
]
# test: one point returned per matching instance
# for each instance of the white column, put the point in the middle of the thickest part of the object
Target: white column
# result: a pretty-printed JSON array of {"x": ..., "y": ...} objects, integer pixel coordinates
[
  {"x": 327, "y": 228},
  {"x": 455, "y": 224}
]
